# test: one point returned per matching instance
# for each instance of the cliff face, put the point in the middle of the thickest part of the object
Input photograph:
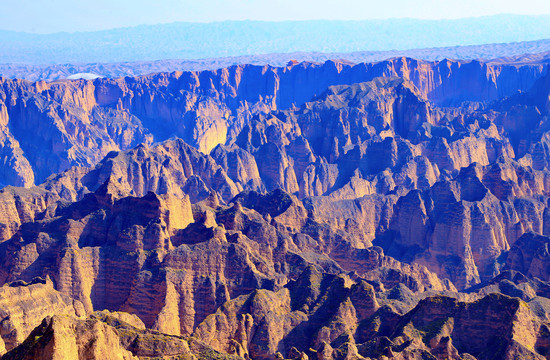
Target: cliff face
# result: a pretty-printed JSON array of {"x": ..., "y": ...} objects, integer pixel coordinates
[
  {"x": 311, "y": 211},
  {"x": 368, "y": 141},
  {"x": 172, "y": 264},
  {"x": 48, "y": 127},
  {"x": 324, "y": 317},
  {"x": 106, "y": 335},
  {"x": 459, "y": 228},
  {"x": 24, "y": 305}
]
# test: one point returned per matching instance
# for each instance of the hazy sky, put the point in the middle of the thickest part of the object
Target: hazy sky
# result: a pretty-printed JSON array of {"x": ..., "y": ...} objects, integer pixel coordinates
[{"x": 45, "y": 16}]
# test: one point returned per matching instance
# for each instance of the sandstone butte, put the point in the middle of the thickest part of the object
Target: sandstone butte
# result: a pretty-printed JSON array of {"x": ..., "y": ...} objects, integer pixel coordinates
[{"x": 393, "y": 210}]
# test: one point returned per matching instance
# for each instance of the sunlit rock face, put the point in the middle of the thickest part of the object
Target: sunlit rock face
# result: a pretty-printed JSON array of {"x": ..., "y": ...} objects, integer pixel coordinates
[
  {"x": 322, "y": 211},
  {"x": 49, "y": 127}
]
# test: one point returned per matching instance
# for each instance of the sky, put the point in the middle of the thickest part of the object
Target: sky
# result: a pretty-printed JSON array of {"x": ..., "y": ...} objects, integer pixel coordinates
[{"x": 49, "y": 16}]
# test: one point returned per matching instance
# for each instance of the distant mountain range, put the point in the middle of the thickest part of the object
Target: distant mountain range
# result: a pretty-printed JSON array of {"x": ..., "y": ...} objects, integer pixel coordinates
[
  {"x": 517, "y": 52},
  {"x": 238, "y": 38}
]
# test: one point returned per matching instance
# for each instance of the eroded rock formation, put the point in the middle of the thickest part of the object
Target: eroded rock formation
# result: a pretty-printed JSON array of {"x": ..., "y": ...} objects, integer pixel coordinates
[{"x": 315, "y": 211}]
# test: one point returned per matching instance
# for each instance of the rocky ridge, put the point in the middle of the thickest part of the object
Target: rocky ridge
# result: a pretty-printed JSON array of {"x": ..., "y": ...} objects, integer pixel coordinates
[
  {"x": 312, "y": 211},
  {"x": 79, "y": 122}
]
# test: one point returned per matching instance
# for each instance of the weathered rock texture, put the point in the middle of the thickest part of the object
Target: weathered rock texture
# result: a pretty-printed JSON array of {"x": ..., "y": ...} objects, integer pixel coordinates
[
  {"x": 24, "y": 305},
  {"x": 48, "y": 127},
  {"x": 321, "y": 211},
  {"x": 331, "y": 317},
  {"x": 106, "y": 336}
]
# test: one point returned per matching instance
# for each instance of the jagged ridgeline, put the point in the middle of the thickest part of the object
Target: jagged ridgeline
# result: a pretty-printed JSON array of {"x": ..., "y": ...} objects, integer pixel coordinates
[{"x": 398, "y": 209}]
